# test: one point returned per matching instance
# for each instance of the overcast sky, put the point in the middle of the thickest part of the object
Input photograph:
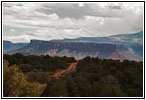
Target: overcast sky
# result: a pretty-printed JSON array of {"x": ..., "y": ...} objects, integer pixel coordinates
[{"x": 45, "y": 21}]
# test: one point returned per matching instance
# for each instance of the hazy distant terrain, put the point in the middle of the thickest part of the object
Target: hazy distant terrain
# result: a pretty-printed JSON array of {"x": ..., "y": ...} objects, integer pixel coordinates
[
  {"x": 119, "y": 47},
  {"x": 8, "y": 46},
  {"x": 78, "y": 50},
  {"x": 134, "y": 41}
]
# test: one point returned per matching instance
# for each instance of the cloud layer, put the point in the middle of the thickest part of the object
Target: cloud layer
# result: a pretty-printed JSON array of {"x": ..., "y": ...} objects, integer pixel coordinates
[{"x": 45, "y": 21}]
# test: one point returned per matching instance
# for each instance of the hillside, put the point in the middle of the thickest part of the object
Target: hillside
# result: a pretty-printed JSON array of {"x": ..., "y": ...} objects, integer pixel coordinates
[
  {"x": 134, "y": 41},
  {"x": 120, "y": 39},
  {"x": 78, "y": 50},
  {"x": 8, "y": 46}
]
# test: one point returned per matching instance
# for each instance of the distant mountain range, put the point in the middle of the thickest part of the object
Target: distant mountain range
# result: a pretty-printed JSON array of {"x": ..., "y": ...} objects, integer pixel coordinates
[
  {"x": 134, "y": 41},
  {"x": 117, "y": 47},
  {"x": 78, "y": 50},
  {"x": 8, "y": 46},
  {"x": 115, "y": 39}
]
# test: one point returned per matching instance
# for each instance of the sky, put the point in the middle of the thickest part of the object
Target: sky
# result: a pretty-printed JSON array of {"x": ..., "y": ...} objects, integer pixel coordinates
[{"x": 46, "y": 21}]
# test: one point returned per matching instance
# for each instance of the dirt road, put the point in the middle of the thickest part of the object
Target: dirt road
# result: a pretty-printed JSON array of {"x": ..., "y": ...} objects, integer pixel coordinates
[{"x": 71, "y": 67}]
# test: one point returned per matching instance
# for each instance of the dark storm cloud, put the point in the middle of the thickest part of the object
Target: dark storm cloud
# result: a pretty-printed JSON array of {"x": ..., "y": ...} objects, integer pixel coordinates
[
  {"x": 73, "y": 10},
  {"x": 64, "y": 10},
  {"x": 117, "y": 7}
]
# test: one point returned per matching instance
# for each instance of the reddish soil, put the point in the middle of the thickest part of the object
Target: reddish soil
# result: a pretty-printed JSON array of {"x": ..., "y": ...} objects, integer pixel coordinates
[{"x": 71, "y": 67}]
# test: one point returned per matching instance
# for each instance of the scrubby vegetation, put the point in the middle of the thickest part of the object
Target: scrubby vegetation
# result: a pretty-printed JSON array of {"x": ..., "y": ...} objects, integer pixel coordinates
[
  {"x": 93, "y": 77},
  {"x": 15, "y": 83},
  {"x": 100, "y": 78},
  {"x": 38, "y": 63}
]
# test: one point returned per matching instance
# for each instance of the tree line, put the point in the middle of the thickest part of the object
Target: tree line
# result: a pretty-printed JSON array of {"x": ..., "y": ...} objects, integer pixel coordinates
[{"x": 93, "y": 77}]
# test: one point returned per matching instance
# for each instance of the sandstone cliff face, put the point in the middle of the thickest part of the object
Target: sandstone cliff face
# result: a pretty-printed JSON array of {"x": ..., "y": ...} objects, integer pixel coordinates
[{"x": 76, "y": 50}]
